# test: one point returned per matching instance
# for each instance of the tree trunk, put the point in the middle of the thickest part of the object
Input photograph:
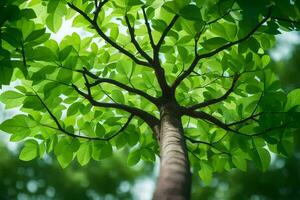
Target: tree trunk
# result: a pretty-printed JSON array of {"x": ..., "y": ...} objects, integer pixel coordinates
[{"x": 174, "y": 182}]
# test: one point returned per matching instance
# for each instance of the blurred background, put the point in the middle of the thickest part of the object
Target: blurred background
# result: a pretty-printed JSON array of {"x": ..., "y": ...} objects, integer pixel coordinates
[{"x": 110, "y": 179}]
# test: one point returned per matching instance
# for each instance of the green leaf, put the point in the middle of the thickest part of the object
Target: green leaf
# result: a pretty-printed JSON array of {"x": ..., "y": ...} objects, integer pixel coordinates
[
  {"x": 147, "y": 154},
  {"x": 205, "y": 172},
  {"x": 262, "y": 158},
  {"x": 191, "y": 12},
  {"x": 84, "y": 153},
  {"x": 100, "y": 130},
  {"x": 134, "y": 2},
  {"x": 35, "y": 35},
  {"x": 33, "y": 102},
  {"x": 214, "y": 43},
  {"x": 29, "y": 151},
  {"x": 293, "y": 99},
  {"x": 133, "y": 138},
  {"x": 42, "y": 54},
  {"x": 239, "y": 162},
  {"x": 64, "y": 75},
  {"x": 101, "y": 150},
  {"x": 28, "y": 13},
  {"x": 73, "y": 109},
  {"x": 64, "y": 152},
  {"x": 54, "y": 22},
  {"x": 20, "y": 126},
  {"x": 10, "y": 95},
  {"x": 118, "y": 96},
  {"x": 63, "y": 54},
  {"x": 134, "y": 157}
]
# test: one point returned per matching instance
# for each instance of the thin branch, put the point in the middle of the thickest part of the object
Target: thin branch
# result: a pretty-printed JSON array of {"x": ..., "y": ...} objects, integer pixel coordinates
[
  {"x": 214, "y": 52},
  {"x": 162, "y": 38},
  {"x": 252, "y": 116},
  {"x": 206, "y": 143},
  {"x": 204, "y": 116},
  {"x": 148, "y": 29},
  {"x": 224, "y": 15},
  {"x": 23, "y": 53},
  {"x": 148, "y": 118},
  {"x": 122, "y": 129},
  {"x": 60, "y": 128},
  {"x": 98, "y": 8},
  {"x": 285, "y": 20},
  {"x": 134, "y": 41},
  {"x": 119, "y": 84},
  {"x": 216, "y": 100},
  {"x": 106, "y": 38},
  {"x": 125, "y": 87},
  {"x": 106, "y": 94},
  {"x": 59, "y": 82},
  {"x": 87, "y": 84},
  {"x": 159, "y": 71}
]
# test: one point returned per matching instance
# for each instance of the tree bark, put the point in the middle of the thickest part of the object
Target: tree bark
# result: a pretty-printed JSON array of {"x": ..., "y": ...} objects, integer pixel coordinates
[{"x": 174, "y": 182}]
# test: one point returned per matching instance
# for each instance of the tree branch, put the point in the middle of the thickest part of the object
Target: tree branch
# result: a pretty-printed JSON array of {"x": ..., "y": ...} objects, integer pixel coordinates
[
  {"x": 152, "y": 121},
  {"x": 125, "y": 87},
  {"x": 60, "y": 128},
  {"x": 206, "y": 143},
  {"x": 99, "y": 80},
  {"x": 163, "y": 36},
  {"x": 23, "y": 54},
  {"x": 204, "y": 116},
  {"x": 214, "y": 52},
  {"x": 219, "y": 99},
  {"x": 98, "y": 9},
  {"x": 285, "y": 20},
  {"x": 106, "y": 38},
  {"x": 223, "y": 15},
  {"x": 252, "y": 116},
  {"x": 136, "y": 44},
  {"x": 148, "y": 29}
]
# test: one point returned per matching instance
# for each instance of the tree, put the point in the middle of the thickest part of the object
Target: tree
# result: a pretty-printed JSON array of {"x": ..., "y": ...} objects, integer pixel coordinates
[{"x": 188, "y": 80}]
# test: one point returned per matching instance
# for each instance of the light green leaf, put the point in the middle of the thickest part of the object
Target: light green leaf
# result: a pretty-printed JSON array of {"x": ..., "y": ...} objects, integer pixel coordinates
[
  {"x": 29, "y": 151},
  {"x": 134, "y": 157},
  {"x": 239, "y": 162},
  {"x": 118, "y": 96},
  {"x": 84, "y": 153},
  {"x": 293, "y": 99},
  {"x": 54, "y": 22},
  {"x": 10, "y": 95},
  {"x": 205, "y": 173}
]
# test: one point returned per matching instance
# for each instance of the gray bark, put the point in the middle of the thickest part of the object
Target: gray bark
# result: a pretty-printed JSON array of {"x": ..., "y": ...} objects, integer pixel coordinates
[{"x": 174, "y": 181}]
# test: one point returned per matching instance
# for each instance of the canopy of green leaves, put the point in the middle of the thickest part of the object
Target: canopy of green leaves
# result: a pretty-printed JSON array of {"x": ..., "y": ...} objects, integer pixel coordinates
[{"x": 57, "y": 78}]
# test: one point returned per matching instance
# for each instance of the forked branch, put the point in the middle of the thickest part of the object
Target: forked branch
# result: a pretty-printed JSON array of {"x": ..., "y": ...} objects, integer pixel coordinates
[
  {"x": 148, "y": 118},
  {"x": 197, "y": 58},
  {"x": 61, "y": 129},
  {"x": 219, "y": 99},
  {"x": 99, "y": 80},
  {"x": 134, "y": 41},
  {"x": 207, "y": 117},
  {"x": 106, "y": 38},
  {"x": 163, "y": 36}
]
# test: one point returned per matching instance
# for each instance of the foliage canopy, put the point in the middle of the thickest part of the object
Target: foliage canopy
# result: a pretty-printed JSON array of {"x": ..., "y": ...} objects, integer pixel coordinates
[{"x": 85, "y": 97}]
